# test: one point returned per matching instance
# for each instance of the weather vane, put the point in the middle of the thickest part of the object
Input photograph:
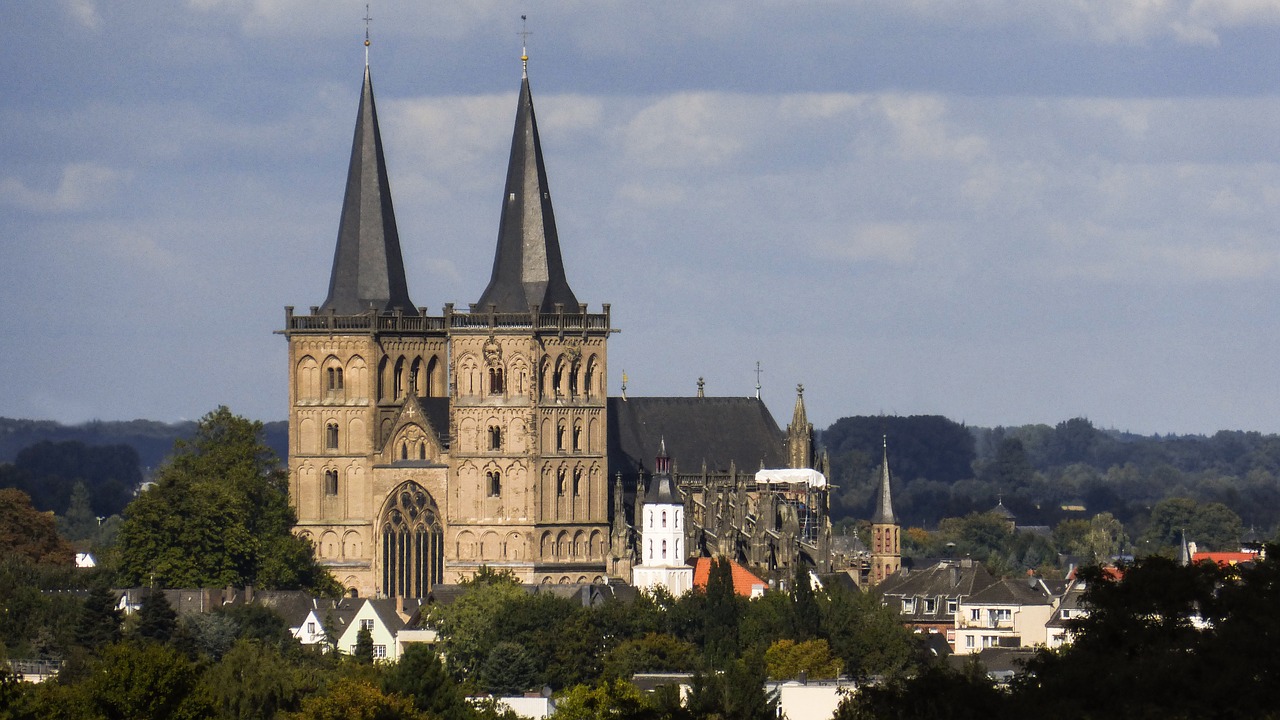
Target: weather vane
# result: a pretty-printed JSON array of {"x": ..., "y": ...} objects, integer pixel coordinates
[
  {"x": 524, "y": 43},
  {"x": 367, "y": 19},
  {"x": 758, "y": 371}
]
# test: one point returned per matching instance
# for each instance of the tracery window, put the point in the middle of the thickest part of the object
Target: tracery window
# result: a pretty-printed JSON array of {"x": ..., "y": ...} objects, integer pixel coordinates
[{"x": 412, "y": 546}]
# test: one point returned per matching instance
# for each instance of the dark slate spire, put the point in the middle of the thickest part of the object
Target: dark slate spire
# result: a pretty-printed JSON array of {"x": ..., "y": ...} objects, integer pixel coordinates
[
  {"x": 368, "y": 271},
  {"x": 884, "y": 502},
  {"x": 527, "y": 269}
]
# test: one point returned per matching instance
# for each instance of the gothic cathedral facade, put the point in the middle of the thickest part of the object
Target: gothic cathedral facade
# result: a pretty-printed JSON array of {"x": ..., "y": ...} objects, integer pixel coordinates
[{"x": 422, "y": 447}]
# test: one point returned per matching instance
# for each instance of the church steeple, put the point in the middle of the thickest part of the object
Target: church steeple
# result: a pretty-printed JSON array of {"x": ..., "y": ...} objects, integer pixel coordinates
[
  {"x": 884, "y": 501},
  {"x": 800, "y": 434},
  {"x": 886, "y": 536},
  {"x": 368, "y": 270},
  {"x": 527, "y": 268}
]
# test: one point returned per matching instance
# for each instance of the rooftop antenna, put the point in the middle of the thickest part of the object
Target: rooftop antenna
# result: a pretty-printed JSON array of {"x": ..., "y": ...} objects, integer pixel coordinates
[
  {"x": 524, "y": 44},
  {"x": 758, "y": 371},
  {"x": 367, "y": 19}
]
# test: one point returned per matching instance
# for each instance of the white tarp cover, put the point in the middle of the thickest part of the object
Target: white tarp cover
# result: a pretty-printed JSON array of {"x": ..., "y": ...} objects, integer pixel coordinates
[{"x": 790, "y": 476}]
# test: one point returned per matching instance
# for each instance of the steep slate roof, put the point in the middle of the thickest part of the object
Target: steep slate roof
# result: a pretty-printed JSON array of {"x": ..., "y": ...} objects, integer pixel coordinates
[
  {"x": 884, "y": 501},
  {"x": 718, "y": 430},
  {"x": 527, "y": 268},
  {"x": 368, "y": 271}
]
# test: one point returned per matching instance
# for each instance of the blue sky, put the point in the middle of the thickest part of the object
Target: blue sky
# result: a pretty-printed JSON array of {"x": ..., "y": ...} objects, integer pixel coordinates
[{"x": 1000, "y": 211}]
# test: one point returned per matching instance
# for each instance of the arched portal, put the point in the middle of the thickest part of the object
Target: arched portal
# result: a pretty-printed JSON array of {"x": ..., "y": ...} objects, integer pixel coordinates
[{"x": 412, "y": 544}]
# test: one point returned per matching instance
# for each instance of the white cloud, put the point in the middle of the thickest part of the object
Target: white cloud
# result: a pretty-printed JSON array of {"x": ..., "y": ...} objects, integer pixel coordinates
[
  {"x": 1189, "y": 22},
  {"x": 85, "y": 12},
  {"x": 82, "y": 186},
  {"x": 686, "y": 130}
]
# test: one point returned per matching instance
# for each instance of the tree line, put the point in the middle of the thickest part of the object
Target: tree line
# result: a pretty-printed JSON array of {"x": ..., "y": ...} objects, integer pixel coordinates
[{"x": 1221, "y": 489}]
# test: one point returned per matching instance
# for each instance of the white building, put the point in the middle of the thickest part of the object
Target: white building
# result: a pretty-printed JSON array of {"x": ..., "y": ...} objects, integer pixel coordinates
[{"x": 662, "y": 534}]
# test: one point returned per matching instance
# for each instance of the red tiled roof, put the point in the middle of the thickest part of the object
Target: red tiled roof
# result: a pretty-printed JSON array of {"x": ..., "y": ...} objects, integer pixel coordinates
[
  {"x": 743, "y": 579},
  {"x": 1224, "y": 558}
]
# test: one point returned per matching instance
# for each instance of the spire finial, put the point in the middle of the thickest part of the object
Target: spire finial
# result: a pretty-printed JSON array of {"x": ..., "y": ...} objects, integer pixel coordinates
[
  {"x": 758, "y": 371},
  {"x": 524, "y": 44},
  {"x": 702, "y": 387},
  {"x": 367, "y": 19},
  {"x": 624, "y": 384},
  {"x": 800, "y": 389}
]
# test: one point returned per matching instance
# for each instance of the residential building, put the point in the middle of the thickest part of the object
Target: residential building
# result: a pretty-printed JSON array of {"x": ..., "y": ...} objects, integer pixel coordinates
[
  {"x": 929, "y": 599},
  {"x": 1008, "y": 613}
]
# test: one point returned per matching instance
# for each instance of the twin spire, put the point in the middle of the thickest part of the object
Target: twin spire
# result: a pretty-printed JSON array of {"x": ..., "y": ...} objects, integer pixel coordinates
[{"x": 368, "y": 269}]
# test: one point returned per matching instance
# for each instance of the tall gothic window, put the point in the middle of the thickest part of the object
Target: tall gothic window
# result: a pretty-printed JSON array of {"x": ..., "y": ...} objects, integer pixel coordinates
[
  {"x": 412, "y": 543},
  {"x": 495, "y": 437},
  {"x": 560, "y": 482},
  {"x": 495, "y": 483},
  {"x": 495, "y": 381},
  {"x": 577, "y": 438},
  {"x": 577, "y": 481},
  {"x": 560, "y": 438},
  {"x": 330, "y": 482},
  {"x": 331, "y": 436}
]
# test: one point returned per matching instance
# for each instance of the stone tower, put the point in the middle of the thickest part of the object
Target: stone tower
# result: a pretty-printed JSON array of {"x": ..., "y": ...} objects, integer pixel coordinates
[
  {"x": 366, "y": 468},
  {"x": 886, "y": 540},
  {"x": 528, "y": 406}
]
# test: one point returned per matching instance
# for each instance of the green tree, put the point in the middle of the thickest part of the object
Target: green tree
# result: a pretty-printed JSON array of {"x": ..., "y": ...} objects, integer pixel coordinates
[
  {"x": 806, "y": 615},
  {"x": 79, "y": 523},
  {"x": 350, "y": 698},
  {"x": 421, "y": 676},
  {"x": 144, "y": 681},
  {"x": 1139, "y": 650},
  {"x": 99, "y": 623},
  {"x": 607, "y": 700},
  {"x": 655, "y": 652},
  {"x": 253, "y": 680},
  {"x": 867, "y": 636},
  {"x": 509, "y": 670},
  {"x": 364, "y": 646},
  {"x": 1106, "y": 538},
  {"x": 218, "y": 515},
  {"x": 788, "y": 659},
  {"x": 721, "y": 612},
  {"x": 469, "y": 626},
  {"x": 737, "y": 693},
  {"x": 935, "y": 693},
  {"x": 1212, "y": 526},
  {"x": 157, "y": 620}
]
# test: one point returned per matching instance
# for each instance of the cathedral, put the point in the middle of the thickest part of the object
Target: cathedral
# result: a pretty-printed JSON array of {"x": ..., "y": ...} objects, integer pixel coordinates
[{"x": 423, "y": 447}]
